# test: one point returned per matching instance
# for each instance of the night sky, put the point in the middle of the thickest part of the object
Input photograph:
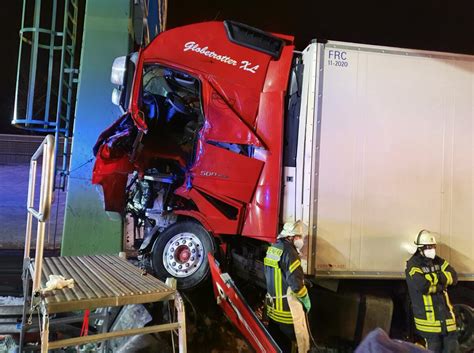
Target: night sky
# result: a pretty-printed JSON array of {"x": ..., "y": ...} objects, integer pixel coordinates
[{"x": 423, "y": 24}]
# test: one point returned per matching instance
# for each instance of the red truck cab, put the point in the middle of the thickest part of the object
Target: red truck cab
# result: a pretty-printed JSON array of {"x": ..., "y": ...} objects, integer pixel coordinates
[{"x": 202, "y": 134}]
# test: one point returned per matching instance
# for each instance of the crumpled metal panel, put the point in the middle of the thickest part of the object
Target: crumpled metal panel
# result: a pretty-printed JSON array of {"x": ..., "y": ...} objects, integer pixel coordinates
[
  {"x": 222, "y": 122},
  {"x": 112, "y": 164},
  {"x": 112, "y": 175},
  {"x": 208, "y": 214},
  {"x": 263, "y": 212},
  {"x": 242, "y": 100},
  {"x": 225, "y": 173}
]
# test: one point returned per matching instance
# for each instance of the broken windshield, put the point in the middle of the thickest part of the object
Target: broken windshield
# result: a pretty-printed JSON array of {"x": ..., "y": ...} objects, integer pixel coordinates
[{"x": 171, "y": 106}]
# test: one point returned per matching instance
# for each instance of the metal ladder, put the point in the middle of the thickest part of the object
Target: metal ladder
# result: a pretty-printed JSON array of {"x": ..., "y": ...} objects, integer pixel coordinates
[{"x": 54, "y": 112}]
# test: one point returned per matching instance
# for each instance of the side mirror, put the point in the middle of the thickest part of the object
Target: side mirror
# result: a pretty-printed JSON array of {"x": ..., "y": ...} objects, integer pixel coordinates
[
  {"x": 119, "y": 69},
  {"x": 116, "y": 96},
  {"x": 123, "y": 69}
]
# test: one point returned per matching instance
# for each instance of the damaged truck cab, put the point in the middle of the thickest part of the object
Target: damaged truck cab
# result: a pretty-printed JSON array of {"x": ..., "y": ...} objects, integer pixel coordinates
[{"x": 202, "y": 138}]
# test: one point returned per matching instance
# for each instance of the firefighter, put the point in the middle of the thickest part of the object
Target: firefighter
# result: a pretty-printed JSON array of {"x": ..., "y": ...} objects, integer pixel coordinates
[
  {"x": 286, "y": 290},
  {"x": 428, "y": 277}
]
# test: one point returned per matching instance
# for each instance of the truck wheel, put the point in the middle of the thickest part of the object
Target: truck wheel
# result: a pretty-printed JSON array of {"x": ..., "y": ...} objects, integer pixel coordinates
[
  {"x": 181, "y": 252},
  {"x": 465, "y": 321}
]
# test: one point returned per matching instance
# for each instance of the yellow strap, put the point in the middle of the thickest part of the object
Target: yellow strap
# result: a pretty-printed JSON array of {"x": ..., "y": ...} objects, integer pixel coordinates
[
  {"x": 302, "y": 292},
  {"x": 295, "y": 265}
]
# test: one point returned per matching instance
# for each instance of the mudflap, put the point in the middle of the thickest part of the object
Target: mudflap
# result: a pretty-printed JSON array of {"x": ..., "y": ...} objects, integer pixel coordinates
[{"x": 239, "y": 312}]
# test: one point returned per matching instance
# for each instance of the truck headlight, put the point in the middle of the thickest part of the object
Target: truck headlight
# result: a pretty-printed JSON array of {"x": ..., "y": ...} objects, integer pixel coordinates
[{"x": 119, "y": 67}]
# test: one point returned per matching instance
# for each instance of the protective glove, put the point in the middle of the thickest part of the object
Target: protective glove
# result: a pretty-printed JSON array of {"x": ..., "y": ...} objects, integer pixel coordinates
[
  {"x": 306, "y": 302},
  {"x": 442, "y": 279}
]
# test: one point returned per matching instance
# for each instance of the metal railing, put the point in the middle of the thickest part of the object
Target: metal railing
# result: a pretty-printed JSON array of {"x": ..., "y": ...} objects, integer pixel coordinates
[{"x": 46, "y": 149}]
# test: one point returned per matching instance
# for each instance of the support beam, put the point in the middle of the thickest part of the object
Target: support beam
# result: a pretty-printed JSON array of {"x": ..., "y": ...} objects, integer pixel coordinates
[{"x": 87, "y": 228}]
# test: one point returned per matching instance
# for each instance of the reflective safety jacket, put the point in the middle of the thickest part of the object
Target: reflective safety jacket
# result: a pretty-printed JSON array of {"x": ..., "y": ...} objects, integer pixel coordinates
[
  {"x": 282, "y": 270},
  {"x": 427, "y": 282}
]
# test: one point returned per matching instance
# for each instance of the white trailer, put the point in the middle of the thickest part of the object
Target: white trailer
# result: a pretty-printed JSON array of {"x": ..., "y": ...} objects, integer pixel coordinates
[{"x": 385, "y": 149}]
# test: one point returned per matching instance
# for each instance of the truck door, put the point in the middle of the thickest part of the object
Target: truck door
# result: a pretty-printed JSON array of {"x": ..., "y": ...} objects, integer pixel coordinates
[{"x": 238, "y": 311}]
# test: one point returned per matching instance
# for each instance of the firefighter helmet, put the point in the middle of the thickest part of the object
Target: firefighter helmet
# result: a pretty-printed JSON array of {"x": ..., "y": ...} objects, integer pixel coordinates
[
  {"x": 290, "y": 229},
  {"x": 425, "y": 237}
]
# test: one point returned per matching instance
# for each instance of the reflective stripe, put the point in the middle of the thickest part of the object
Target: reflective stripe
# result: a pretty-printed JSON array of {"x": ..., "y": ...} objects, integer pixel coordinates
[
  {"x": 295, "y": 265},
  {"x": 451, "y": 328},
  {"x": 279, "y": 315},
  {"x": 278, "y": 289},
  {"x": 448, "y": 302},
  {"x": 433, "y": 279},
  {"x": 270, "y": 262},
  {"x": 302, "y": 292},
  {"x": 415, "y": 270},
  {"x": 427, "y": 323},
  {"x": 451, "y": 324},
  {"x": 428, "y": 301},
  {"x": 427, "y": 328},
  {"x": 449, "y": 277}
]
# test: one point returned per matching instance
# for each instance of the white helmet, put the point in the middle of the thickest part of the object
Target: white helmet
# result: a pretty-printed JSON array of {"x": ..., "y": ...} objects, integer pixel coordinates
[
  {"x": 290, "y": 229},
  {"x": 425, "y": 237}
]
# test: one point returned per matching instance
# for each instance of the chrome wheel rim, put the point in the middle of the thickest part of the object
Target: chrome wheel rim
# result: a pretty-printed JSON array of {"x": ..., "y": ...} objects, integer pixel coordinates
[{"x": 183, "y": 255}]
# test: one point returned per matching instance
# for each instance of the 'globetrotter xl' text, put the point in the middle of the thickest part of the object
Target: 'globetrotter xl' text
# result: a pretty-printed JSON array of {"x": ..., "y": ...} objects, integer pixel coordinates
[{"x": 244, "y": 64}]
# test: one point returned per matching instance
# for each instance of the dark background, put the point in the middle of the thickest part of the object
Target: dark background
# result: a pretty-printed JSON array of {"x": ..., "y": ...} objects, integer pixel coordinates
[{"x": 439, "y": 25}]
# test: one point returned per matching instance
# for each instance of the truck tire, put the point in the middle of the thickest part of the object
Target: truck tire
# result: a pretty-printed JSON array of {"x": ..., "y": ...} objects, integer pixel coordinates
[
  {"x": 465, "y": 321},
  {"x": 180, "y": 251}
]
